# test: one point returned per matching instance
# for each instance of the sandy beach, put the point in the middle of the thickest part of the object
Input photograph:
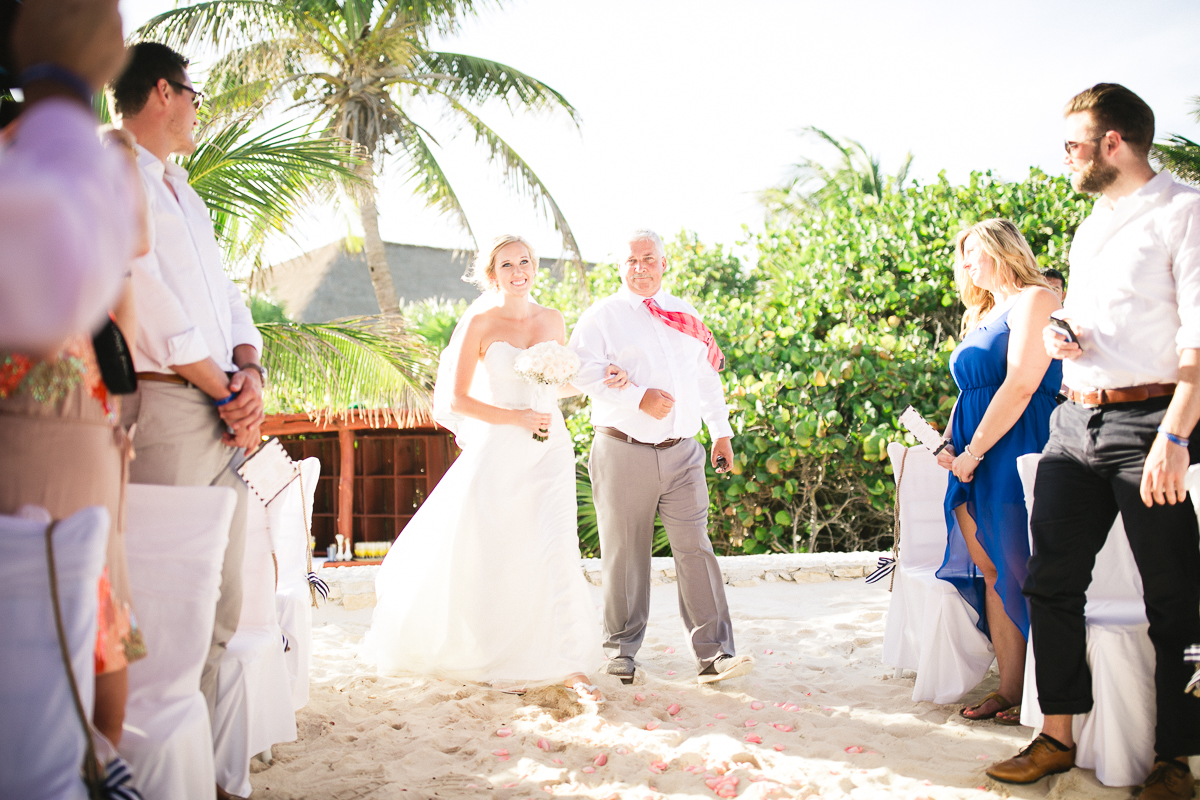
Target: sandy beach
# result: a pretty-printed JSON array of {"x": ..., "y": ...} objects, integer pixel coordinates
[{"x": 821, "y": 716}]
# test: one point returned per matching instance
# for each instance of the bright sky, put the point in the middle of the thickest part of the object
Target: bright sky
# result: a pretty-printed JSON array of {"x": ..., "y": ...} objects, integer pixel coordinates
[{"x": 690, "y": 107}]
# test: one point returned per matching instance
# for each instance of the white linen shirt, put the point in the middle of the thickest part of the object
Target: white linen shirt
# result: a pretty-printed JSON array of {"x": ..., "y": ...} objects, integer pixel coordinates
[
  {"x": 620, "y": 330},
  {"x": 66, "y": 227},
  {"x": 1135, "y": 287},
  {"x": 188, "y": 308}
]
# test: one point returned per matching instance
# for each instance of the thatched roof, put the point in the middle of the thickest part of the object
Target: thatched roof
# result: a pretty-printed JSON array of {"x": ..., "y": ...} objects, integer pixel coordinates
[{"x": 330, "y": 283}]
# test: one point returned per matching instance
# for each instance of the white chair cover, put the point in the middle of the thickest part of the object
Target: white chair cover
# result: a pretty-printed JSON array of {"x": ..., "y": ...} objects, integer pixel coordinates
[
  {"x": 41, "y": 739},
  {"x": 175, "y": 541},
  {"x": 293, "y": 600},
  {"x": 1116, "y": 738},
  {"x": 254, "y": 693},
  {"x": 930, "y": 628}
]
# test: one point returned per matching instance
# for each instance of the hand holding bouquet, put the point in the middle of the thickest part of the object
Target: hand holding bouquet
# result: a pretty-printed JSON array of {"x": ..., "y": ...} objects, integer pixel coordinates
[{"x": 546, "y": 364}]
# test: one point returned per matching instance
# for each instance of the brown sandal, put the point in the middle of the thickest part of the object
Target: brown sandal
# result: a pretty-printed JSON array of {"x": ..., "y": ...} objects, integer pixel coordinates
[
  {"x": 1009, "y": 716},
  {"x": 1004, "y": 706}
]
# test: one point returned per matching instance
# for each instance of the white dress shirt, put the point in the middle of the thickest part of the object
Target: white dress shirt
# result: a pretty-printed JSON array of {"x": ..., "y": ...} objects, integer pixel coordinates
[
  {"x": 66, "y": 227},
  {"x": 620, "y": 330},
  {"x": 188, "y": 308},
  {"x": 1135, "y": 287}
]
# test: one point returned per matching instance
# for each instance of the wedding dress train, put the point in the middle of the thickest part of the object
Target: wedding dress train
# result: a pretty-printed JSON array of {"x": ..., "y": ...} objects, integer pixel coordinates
[{"x": 484, "y": 584}]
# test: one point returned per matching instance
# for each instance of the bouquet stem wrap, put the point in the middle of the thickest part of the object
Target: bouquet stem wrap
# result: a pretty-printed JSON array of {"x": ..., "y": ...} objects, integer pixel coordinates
[{"x": 546, "y": 365}]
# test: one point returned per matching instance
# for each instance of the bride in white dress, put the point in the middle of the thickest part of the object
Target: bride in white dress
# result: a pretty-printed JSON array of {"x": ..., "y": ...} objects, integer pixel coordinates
[{"x": 484, "y": 583}]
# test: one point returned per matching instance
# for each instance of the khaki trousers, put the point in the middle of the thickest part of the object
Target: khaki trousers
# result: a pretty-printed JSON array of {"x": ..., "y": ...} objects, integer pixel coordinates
[
  {"x": 178, "y": 443},
  {"x": 630, "y": 484}
]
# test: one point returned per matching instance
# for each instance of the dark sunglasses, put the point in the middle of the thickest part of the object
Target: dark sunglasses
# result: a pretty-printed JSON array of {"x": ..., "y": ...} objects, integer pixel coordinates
[{"x": 197, "y": 96}]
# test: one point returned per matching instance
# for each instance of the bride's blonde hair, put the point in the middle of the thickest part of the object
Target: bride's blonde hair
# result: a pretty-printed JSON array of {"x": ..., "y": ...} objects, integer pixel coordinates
[
  {"x": 1015, "y": 267},
  {"x": 483, "y": 269}
]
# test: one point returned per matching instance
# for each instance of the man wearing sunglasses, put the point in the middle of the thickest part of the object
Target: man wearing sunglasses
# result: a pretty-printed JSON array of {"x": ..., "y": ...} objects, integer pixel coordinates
[
  {"x": 1123, "y": 441},
  {"x": 199, "y": 401}
]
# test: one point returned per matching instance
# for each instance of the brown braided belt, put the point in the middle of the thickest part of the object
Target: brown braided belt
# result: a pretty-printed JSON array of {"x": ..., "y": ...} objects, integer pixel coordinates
[{"x": 624, "y": 437}]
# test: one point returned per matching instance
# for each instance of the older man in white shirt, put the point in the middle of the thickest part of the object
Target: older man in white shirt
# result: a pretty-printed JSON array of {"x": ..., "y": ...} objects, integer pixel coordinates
[
  {"x": 1124, "y": 440},
  {"x": 199, "y": 401},
  {"x": 644, "y": 460}
]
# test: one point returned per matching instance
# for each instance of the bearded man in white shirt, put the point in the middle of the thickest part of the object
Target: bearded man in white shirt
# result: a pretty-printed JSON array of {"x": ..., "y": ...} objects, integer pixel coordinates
[
  {"x": 1124, "y": 440},
  {"x": 644, "y": 460},
  {"x": 199, "y": 402}
]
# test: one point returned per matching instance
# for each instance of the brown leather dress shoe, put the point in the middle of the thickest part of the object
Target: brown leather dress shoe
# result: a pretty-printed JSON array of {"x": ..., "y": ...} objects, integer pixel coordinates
[
  {"x": 1169, "y": 780},
  {"x": 1040, "y": 758}
]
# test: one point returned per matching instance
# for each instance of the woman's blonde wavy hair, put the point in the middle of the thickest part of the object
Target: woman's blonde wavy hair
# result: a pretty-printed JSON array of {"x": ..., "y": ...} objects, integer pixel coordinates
[
  {"x": 1016, "y": 267},
  {"x": 483, "y": 268}
]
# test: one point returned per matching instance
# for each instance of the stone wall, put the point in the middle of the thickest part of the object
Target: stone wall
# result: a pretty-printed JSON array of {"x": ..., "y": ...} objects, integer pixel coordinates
[{"x": 354, "y": 587}]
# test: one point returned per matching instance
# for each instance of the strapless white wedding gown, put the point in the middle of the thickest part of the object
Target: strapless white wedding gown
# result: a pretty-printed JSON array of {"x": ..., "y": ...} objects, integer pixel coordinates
[{"x": 484, "y": 583}]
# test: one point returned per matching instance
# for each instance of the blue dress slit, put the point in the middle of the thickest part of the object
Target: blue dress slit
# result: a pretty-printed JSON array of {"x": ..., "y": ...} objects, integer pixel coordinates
[{"x": 994, "y": 499}]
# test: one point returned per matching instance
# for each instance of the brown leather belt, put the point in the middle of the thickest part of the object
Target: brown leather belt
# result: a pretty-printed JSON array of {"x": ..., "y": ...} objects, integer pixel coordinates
[
  {"x": 1126, "y": 394},
  {"x": 163, "y": 377},
  {"x": 616, "y": 434}
]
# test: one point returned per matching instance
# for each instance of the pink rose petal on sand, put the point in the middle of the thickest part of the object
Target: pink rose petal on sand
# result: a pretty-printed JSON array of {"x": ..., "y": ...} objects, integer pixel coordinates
[
  {"x": 600, "y": 760},
  {"x": 854, "y": 749},
  {"x": 510, "y": 786},
  {"x": 652, "y": 724},
  {"x": 639, "y": 697},
  {"x": 543, "y": 744},
  {"x": 657, "y": 767},
  {"x": 670, "y": 672},
  {"x": 710, "y": 724},
  {"x": 670, "y": 650},
  {"x": 499, "y": 752},
  {"x": 768, "y": 652},
  {"x": 589, "y": 770},
  {"x": 779, "y": 747},
  {"x": 750, "y": 723},
  {"x": 673, "y": 709},
  {"x": 754, "y": 738},
  {"x": 984, "y": 758},
  {"x": 557, "y": 760},
  {"x": 784, "y": 728},
  {"x": 622, "y": 751},
  {"x": 720, "y": 716},
  {"x": 503, "y": 732},
  {"x": 756, "y": 705}
]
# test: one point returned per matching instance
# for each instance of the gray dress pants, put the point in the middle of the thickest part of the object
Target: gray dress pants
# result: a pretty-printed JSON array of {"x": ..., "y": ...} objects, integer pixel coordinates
[
  {"x": 178, "y": 443},
  {"x": 630, "y": 484}
]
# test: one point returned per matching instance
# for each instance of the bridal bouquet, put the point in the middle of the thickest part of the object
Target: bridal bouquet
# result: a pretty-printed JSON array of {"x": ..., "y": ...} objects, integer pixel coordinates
[{"x": 546, "y": 364}]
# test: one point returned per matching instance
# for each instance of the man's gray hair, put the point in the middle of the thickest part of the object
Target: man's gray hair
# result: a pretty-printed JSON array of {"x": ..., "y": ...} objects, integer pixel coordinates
[{"x": 647, "y": 235}]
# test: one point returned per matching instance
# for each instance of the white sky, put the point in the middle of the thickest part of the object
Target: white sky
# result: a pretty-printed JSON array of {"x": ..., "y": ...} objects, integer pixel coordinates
[{"x": 689, "y": 107}]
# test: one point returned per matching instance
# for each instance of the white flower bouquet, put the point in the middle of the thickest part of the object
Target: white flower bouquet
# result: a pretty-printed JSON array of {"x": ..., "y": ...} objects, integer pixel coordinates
[{"x": 546, "y": 364}]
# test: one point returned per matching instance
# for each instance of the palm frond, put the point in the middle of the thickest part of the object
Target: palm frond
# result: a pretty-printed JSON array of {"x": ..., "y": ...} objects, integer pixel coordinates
[
  {"x": 1179, "y": 155},
  {"x": 261, "y": 180},
  {"x": 426, "y": 173},
  {"x": 364, "y": 364},
  {"x": 220, "y": 23},
  {"x": 520, "y": 177},
  {"x": 466, "y": 77}
]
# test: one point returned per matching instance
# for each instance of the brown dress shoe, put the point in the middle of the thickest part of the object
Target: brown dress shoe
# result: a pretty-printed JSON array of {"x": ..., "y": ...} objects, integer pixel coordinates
[
  {"x": 1169, "y": 780},
  {"x": 1040, "y": 758}
]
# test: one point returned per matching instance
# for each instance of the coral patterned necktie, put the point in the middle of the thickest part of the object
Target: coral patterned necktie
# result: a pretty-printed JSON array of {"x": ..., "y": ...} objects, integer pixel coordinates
[{"x": 687, "y": 324}]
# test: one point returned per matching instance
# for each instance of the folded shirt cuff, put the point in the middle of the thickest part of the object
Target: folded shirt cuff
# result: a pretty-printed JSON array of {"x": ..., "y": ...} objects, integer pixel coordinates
[
  {"x": 720, "y": 430},
  {"x": 247, "y": 334},
  {"x": 186, "y": 348}
]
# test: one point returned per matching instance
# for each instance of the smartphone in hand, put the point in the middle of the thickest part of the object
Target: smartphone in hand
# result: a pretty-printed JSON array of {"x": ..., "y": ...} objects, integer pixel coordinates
[{"x": 1063, "y": 328}]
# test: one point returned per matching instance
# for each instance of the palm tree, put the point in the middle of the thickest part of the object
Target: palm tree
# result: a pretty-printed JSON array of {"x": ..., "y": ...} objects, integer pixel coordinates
[
  {"x": 255, "y": 182},
  {"x": 1180, "y": 154},
  {"x": 357, "y": 67},
  {"x": 810, "y": 185}
]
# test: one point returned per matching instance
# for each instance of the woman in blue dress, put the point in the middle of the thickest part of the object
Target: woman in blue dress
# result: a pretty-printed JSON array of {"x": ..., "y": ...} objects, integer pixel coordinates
[{"x": 1007, "y": 386}]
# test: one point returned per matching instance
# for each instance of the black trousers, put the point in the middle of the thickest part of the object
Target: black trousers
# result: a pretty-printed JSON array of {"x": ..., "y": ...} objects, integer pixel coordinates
[{"x": 1091, "y": 469}]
